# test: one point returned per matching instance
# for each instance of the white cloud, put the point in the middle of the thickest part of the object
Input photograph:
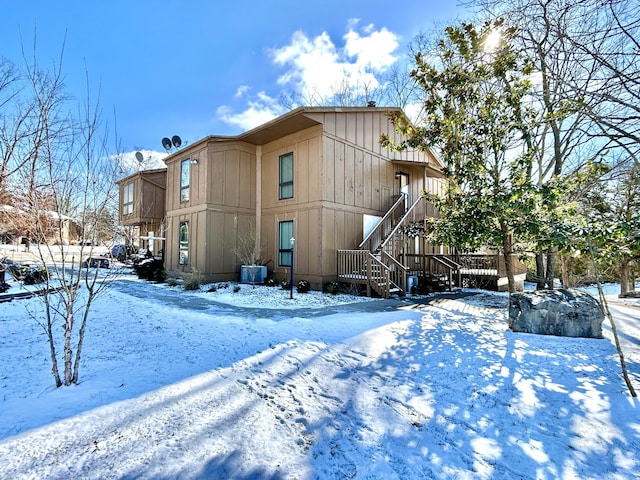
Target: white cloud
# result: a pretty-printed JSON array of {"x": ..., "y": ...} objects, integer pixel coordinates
[
  {"x": 242, "y": 91},
  {"x": 260, "y": 110},
  {"x": 374, "y": 50},
  {"x": 317, "y": 69}
]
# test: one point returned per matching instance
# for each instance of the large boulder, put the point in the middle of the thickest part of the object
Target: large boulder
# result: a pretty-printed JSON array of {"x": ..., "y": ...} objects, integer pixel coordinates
[{"x": 566, "y": 313}]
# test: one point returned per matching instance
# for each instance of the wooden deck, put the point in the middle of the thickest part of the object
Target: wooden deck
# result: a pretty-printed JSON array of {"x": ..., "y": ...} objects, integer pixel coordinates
[
  {"x": 382, "y": 263},
  {"x": 441, "y": 272}
]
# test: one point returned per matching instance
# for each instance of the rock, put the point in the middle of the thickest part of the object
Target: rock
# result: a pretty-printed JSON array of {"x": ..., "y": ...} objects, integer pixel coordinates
[{"x": 566, "y": 313}]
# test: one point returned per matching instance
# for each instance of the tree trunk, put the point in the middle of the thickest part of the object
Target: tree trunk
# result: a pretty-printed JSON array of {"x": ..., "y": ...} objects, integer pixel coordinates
[
  {"x": 76, "y": 364},
  {"x": 551, "y": 267},
  {"x": 68, "y": 351},
  {"x": 624, "y": 276},
  {"x": 52, "y": 346},
  {"x": 507, "y": 250},
  {"x": 565, "y": 271},
  {"x": 540, "y": 271}
]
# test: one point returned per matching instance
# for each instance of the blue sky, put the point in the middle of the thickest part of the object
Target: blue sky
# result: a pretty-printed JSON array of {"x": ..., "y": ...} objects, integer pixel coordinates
[{"x": 197, "y": 67}]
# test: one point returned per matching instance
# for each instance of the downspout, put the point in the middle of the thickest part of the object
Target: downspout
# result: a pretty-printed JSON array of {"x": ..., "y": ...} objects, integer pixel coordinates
[{"x": 258, "y": 198}]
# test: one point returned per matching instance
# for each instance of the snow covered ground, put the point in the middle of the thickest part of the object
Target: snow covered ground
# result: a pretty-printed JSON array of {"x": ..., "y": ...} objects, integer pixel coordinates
[{"x": 253, "y": 385}]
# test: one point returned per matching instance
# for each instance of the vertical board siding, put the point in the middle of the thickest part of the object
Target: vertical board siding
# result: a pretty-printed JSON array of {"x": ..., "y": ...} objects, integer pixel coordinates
[
  {"x": 349, "y": 174},
  {"x": 217, "y": 169},
  {"x": 315, "y": 157},
  {"x": 360, "y": 178},
  {"x": 340, "y": 173},
  {"x": 229, "y": 239},
  {"x": 302, "y": 233},
  {"x": 301, "y": 170}
]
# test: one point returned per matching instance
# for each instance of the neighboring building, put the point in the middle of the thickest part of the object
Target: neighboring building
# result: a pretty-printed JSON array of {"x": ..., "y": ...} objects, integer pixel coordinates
[
  {"x": 142, "y": 206},
  {"x": 18, "y": 227},
  {"x": 316, "y": 174}
]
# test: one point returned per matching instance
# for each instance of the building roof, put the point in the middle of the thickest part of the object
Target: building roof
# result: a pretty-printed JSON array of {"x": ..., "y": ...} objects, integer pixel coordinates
[
  {"x": 294, "y": 121},
  {"x": 141, "y": 173}
]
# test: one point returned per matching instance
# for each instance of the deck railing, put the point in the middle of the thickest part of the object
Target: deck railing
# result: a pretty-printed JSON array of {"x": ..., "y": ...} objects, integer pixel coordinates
[
  {"x": 492, "y": 264},
  {"x": 434, "y": 267},
  {"x": 363, "y": 268},
  {"x": 397, "y": 272}
]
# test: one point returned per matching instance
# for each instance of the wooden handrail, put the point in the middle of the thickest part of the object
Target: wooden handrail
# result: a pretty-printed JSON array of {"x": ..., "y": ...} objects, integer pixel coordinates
[
  {"x": 400, "y": 223},
  {"x": 402, "y": 280},
  {"x": 387, "y": 216}
]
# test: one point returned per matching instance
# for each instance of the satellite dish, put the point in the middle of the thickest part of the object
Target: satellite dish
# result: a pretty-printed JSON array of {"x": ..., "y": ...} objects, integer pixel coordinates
[
  {"x": 139, "y": 157},
  {"x": 166, "y": 143},
  {"x": 176, "y": 140}
]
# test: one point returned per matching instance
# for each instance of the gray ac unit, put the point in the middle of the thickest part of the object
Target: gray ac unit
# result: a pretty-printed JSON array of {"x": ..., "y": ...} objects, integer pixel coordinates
[{"x": 246, "y": 272}]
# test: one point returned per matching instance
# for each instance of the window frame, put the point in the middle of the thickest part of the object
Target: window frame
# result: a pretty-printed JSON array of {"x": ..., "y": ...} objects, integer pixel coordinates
[
  {"x": 185, "y": 180},
  {"x": 127, "y": 198},
  {"x": 285, "y": 252},
  {"x": 183, "y": 242},
  {"x": 285, "y": 184}
]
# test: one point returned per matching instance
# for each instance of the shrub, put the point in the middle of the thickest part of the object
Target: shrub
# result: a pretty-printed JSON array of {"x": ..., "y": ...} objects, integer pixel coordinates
[
  {"x": 212, "y": 289},
  {"x": 27, "y": 274},
  {"x": 284, "y": 284},
  {"x": 354, "y": 289},
  {"x": 236, "y": 289},
  {"x": 151, "y": 269},
  {"x": 173, "y": 281},
  {"x": 35, "y": 275},
  {"x": 4, "y": 286},
  {"x": 192, "y": 281},
  {"x": 271, "y": 281},
  {"x": 303, "y": 286},
  {"x": 332, "y": 288}
]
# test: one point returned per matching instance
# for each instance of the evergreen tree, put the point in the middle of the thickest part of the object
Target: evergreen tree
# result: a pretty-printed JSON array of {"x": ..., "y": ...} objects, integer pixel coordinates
[{"x": 476, "y": 117}]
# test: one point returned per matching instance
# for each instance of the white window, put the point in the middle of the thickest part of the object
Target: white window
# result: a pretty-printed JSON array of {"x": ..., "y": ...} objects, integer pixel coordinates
[
  {"x": 185, "y": 180},
  {"x": 183, "y": 244},
  {"x": 127, "y": 199},
  {"x": 285, "y": 250},
  {"x": 285, "y": 170}
]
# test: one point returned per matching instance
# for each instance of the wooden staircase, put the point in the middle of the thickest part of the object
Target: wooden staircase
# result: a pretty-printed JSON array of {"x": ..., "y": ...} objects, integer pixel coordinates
[
  {"x": 380, "y": 262},
  {"x": 383, "y": 261}
]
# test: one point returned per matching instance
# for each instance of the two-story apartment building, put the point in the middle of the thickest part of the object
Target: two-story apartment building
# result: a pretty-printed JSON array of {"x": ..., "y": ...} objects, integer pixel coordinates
[{"x": 318, "y": 175}]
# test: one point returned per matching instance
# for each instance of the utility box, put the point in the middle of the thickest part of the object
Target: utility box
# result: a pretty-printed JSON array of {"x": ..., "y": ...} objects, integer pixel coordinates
[
  {"x": 247, "y": 273},
  {"x": 412, "y": 281}
]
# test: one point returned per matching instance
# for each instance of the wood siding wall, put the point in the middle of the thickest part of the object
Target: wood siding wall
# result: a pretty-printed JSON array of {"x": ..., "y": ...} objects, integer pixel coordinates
[
  {"x": 341, "y": 173},
  {"x": 221, "y": 207},
  {"x": 149, "y": 189}
]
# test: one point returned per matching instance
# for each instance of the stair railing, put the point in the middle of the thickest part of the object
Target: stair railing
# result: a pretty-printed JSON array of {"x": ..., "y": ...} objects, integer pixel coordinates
[
  {"x": 382, "y": 229},
  {"x": 398, "y": 226},
  {"x": 397, "y": 271}
]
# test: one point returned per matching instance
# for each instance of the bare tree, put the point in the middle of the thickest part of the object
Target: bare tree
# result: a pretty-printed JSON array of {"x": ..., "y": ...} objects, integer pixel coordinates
[
  {"x": 248, "y": 249},
  {"x": 612, "y": 44},
  {"x": 60, "y": 175},
  {"x": 393, "y": 88}
]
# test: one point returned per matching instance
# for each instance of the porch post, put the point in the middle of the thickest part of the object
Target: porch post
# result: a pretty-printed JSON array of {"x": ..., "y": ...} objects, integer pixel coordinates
[{"x": 258, "y": 198}]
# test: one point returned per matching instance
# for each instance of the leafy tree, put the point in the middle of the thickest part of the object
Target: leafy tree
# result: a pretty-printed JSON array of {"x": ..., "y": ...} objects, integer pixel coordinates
[
  {"x": 475, "y": 115},
  {"x": 586, "y": 60},
  {"x": 611, "y": 219}
]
